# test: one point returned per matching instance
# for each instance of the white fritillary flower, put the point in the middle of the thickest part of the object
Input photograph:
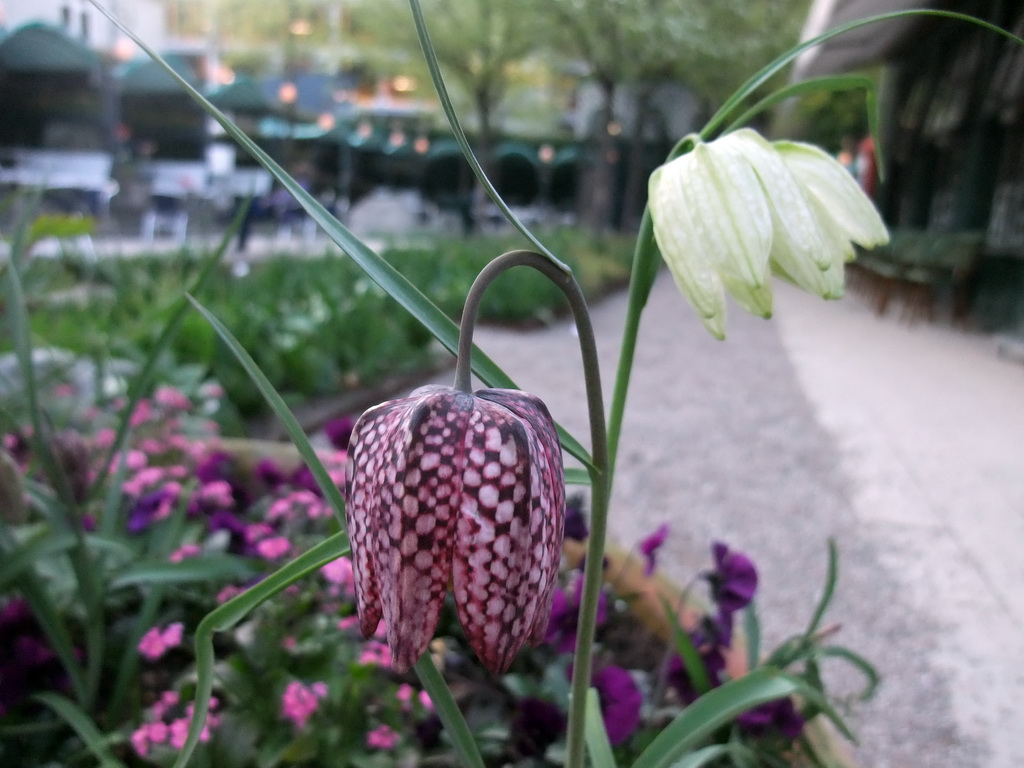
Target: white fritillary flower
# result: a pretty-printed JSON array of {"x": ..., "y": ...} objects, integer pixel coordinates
[{"x": 733, "y": 211}]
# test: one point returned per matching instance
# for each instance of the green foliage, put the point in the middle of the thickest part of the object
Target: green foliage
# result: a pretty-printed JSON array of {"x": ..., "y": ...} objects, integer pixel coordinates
[{"x": 316, "y": 326}]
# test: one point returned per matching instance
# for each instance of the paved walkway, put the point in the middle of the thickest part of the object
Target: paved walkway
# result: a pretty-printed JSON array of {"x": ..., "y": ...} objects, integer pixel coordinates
[{"x": 905, "y": 444}]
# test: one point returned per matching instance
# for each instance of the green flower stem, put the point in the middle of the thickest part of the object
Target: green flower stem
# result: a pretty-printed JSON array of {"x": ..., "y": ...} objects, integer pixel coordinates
[
  {"x": 645, "y": 269},
  {"x": 599, "y": 474}
]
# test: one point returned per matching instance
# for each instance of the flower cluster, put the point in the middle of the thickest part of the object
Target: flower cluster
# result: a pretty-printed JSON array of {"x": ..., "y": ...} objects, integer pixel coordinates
[{"x": 732, "y": 212}]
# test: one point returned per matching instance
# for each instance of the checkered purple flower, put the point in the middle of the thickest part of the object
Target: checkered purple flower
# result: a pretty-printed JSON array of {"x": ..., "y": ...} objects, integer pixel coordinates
[{"x": 450, "y": 486}]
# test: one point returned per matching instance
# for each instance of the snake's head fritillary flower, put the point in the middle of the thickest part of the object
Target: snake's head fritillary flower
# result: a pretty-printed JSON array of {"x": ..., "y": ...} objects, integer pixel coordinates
[
  {"x": 733, "y": 211},
  {"x": 450, "y": 486}
]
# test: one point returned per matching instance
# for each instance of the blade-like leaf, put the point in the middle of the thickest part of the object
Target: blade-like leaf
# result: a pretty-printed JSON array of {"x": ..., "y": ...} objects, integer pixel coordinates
[
  {"x": 451, "y": 716},
  {"x": 716, "y": 708},
  {"x": 832, "y": 574},
  {"x": 283, "y": 412},
  {"x": 377, "y": 269},
  {"x": 865, "y": 667},
  {"x": 692, "y": 662},
  {"x": 576, "y": 476},
  {"x": 74, "y": 716},
  {"x": 42, "y": 546},
  {"x": 767, "y": 72},
  {"x": 460, "y": 136},
  {"x": 225, "y": 616},
  {"x": 598, "y": 745},
  {"x": 191, "y": 569},
  {"x": 752, "y": 633},
  {"x": 703, "y": 756},
  {"x": 828, "y": 84}
]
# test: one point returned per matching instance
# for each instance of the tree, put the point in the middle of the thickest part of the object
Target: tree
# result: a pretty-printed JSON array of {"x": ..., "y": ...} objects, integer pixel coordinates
[
  {"x": 711, "y": 46},
  {"x": 478, "y": 44}
]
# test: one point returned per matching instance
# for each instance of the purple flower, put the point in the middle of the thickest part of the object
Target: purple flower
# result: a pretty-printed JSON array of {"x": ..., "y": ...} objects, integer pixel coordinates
[
  {"x": 302, "y": 478},
  {"x": 271, "y": 475},
  {"x": 339, "y": 432},
  {"x": 447, "y": 485},
  {"x": 27, "y": 663},
  {"x": 215, "y": 466},
  {"x": 649, "y": 547},
  {"x": 536, "y": 725},
  {"x": 575, "y": 521},
  {"x": 149, "y": 508},
  {"x": 734, "y": 579},
  {"x": 565, "y": 614},
  {"x": 779, "y": 716},
  {"x": 714, "y": 665},
  {"x": 621, "y": 701}
]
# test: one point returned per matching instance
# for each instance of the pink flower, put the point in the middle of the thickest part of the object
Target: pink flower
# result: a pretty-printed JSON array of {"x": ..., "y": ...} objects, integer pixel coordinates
[
  {"x": 185, "y": 551},
  {"x": 339, "y": 572},
  {"x": 274, "y": 547},
  {"x": 104, "y": 438},
  {"x": 375, "y": 654},
  {"x": 229, "y": 592},
  {"x": 216, "y": 495},
  {"x": 299, "y": 702},
  {"x": 156, "y": 641},
  {"x": 140, "y": 741},
  {"x": 142, "y": 413},
  {"x": 404, "y": 696},
  {"x": 426, "y": 702},
  {"x": 381, "y": 737},
  {"x": 173, "y": 399},
  {"x": 347, "y": 623}
]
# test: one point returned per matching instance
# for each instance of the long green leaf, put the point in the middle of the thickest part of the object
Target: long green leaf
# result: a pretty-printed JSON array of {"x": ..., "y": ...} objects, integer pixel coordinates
[
  {"x": 44, "y": 545},
  {"x": 460, "y": 136},
  {"x": 189, "y": 570},
  {"x": 74, "y": 716},
  {"x": 598, "y": 745},
  {"x": 692, "y": 662},
  {"x": 718, "y": 707},
  {"x": 752, "y": 634},
  {"x": 703, "y": 756},
  {"x": 451, "y": 716},
  {"x": 283, "y": 412},
  {"x": 831, "y": 576},
  {"x": 377, "y": 269},
  {"x": 143, "y": 380},
  {"x": 776, "y": 66},
  {"x": 865, "y": 667},
  {"x": 233, "y": 611}
]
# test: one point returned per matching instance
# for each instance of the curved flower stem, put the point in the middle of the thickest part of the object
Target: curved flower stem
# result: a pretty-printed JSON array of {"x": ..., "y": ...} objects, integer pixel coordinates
[{"x": 599, "y": 473}]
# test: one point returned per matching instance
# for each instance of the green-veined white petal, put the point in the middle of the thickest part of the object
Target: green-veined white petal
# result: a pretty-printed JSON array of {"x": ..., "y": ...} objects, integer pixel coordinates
[{"x": 836, "y": 191}]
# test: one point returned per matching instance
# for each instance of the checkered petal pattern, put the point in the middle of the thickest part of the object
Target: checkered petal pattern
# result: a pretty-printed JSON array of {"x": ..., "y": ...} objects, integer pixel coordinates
[{"x": 447, "y": 486}]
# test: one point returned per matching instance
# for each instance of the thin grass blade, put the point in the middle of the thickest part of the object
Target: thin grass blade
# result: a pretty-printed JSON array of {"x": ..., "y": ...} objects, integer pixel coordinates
[
  {"x": 227, "y": 615},
  {"x": 451, "y": 716},
  {"x": 598, "y": 745},
  {"x": 718, "y": 707},
  {"x": 74, "y": 716},
  {"x": 377, "y": 269}
]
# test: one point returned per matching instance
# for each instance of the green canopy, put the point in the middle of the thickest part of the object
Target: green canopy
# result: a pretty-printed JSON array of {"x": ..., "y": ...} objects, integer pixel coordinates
[
  {"x": 242, "y": 96},
  {"x": 144, "y": 76},
  {"x": 39, "y": 47}
]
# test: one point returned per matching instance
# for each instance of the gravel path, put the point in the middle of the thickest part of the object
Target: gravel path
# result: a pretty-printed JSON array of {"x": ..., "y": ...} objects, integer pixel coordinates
[{"x": 776, "y": 440}]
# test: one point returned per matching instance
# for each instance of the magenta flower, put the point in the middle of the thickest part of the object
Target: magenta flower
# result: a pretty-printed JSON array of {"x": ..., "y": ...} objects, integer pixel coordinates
[
  {"x": 536, "y": 725},
  {"x": 779, "y": 716},
  {"x": 446, "y": 485},
  {"x": 649, "y": 547},
  {"x": 621, "y": 701},
  {"x": 734, "y": 579},
  {"x": 156, "y": 642},
  {"x": 381, "y": 737},
  {"x": 299, "y": 702},
  {"x": 339, "y": 432},
  {"x": 563, "y": 624}
]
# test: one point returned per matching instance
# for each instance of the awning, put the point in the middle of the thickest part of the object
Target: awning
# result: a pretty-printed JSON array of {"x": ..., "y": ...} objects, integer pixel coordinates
[
  {"x": 857, "y": 48},
  {"x": 144, "y": 76},
  {"x": 39, "y": 47}
]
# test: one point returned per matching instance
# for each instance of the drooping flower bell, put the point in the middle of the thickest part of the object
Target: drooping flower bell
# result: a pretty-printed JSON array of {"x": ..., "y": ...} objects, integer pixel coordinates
[
  {"x": 733, "y": 211},
  {"x": 446, "y": 485}
]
